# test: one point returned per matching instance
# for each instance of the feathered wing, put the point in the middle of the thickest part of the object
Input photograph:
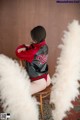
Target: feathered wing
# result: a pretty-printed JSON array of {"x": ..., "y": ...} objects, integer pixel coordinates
[
  {"x": 15, "y": 91},
  {"x": 67, "y": 74}
]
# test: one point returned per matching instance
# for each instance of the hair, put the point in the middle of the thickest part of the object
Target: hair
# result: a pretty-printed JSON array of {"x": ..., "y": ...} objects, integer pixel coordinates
[{"x": 38, "y": 34}]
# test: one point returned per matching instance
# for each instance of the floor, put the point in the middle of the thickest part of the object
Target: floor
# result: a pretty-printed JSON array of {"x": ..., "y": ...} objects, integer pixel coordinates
[
  {"x": 74, "y": 114},
  {"x": 46, "y": 110}
]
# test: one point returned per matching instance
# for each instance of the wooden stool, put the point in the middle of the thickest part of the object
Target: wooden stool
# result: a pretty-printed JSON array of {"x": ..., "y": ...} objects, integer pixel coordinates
[{"x": 41, "y": 95}]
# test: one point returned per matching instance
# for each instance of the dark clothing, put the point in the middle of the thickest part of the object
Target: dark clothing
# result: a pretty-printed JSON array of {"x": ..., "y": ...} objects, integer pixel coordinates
[{"x": 36, "y": 59}]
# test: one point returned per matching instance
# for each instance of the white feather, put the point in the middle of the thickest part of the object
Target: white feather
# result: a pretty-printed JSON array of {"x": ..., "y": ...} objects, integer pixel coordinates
[
  {"x": 67, "y": 72},
  {"x": 15, "y": 91}
]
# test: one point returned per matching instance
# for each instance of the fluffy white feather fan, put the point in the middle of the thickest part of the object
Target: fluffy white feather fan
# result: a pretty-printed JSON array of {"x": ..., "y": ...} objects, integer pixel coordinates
[
  {"x": 15, "y": 91},
  {"x": 67, "y": 74}
]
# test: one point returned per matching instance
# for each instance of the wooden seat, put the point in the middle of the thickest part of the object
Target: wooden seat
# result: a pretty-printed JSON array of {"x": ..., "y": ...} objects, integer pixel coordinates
[{"x": 41, "y": 95}]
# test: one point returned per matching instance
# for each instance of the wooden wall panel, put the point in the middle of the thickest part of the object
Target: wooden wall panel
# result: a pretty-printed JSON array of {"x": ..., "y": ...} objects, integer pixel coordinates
[{"x": 18, "y": 17}]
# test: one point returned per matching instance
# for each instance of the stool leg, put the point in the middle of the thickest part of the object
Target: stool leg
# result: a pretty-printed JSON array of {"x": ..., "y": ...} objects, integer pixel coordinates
[{"x": 41, "y": 106}]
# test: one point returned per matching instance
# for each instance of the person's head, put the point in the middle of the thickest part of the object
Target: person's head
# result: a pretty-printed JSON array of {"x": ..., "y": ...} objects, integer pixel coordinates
[{"x": 38, "y": 34}]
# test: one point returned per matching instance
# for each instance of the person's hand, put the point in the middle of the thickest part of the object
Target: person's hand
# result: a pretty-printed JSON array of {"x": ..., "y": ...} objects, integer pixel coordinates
[{"x": 21, "y": 49}]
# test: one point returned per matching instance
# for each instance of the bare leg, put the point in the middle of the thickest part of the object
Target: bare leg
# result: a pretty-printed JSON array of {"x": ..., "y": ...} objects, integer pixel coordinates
[
  {"x": 48, "y": 80},
  {"x": 40, "y": 85}
]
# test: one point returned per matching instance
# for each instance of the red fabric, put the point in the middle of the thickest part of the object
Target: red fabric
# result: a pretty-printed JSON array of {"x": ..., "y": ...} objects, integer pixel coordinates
[
  {"x": 39, "y": 77},
  {"x": 28, "y": 55}
]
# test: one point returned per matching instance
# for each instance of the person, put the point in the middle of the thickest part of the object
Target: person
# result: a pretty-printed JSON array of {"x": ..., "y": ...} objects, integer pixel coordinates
[{"x": 36, "y": 56}]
